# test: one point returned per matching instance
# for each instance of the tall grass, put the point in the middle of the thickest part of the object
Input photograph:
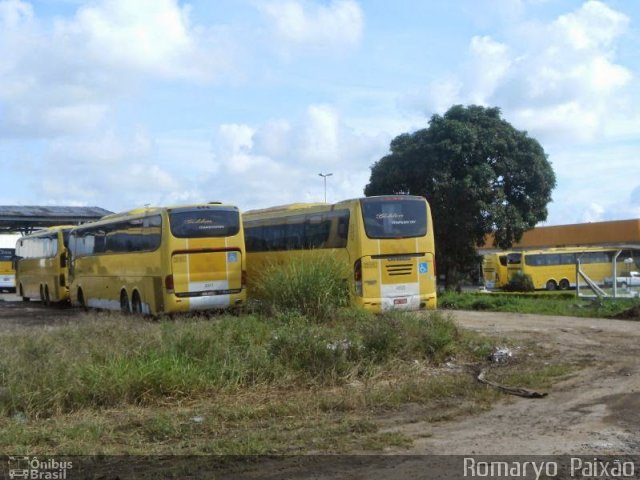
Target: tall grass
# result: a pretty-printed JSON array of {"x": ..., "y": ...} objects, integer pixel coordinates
[
  {"x": 313, "y": 285},
  {"x": 113, "y": 360}
]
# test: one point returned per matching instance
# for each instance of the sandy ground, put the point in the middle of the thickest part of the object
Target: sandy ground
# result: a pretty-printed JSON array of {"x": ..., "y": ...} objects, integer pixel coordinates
[{"x": 594, "y": 412}]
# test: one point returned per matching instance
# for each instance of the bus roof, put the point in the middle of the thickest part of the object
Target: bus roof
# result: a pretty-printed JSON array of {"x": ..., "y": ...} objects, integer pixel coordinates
[
  {"x": 291, "y": 207},
  {"x": 47, "y": 230},
  {"x": 589, "y": 248},
  {"x": 145, "y": 211}
]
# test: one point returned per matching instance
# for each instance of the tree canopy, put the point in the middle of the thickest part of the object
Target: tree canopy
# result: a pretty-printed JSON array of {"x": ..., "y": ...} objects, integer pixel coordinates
[{"x": 480, "y": 176}]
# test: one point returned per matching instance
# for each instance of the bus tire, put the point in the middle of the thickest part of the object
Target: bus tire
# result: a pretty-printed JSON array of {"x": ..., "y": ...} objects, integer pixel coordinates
[
  {"x": 81, "y": 301},
  {"x": 47, "y": 297},
  {"x": 564, "y": 284},
  {"x": 136, "y": 303},
  {"x": 24, "y": 299},
  {"x": 552, "y": 285},
  {"x": 125, "y": 306}
]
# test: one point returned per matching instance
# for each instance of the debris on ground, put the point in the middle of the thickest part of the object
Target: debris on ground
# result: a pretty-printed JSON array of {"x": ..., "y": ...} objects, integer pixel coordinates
[
  {"x": 518, "y": 391},
  {"x": 501, "y": 355}
]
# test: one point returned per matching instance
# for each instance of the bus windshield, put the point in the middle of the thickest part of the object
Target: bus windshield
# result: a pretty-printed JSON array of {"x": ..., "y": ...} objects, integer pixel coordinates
[
  {"x": 394, "y": 217},
  {"x": 206, "y": 222}
]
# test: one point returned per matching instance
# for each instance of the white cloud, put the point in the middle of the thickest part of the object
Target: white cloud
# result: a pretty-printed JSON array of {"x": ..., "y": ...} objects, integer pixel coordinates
[
  {"x": 303, "y": 24},
  {"x": 320, "y": 142},
  {"x": 558, "y": 80},
  {"x": 490, "y": 63},
  {"x": 110, "y": 170},
  {"x": 593, "y": 26},
  {"x": 148, "y": 36},
  {"x": 63, "y": 78},
  {"x": 253, "y": 166},
  {"x": 278, "y": 162},
  {"x": 593, "y": 213},
  {"x": 13, "y": 13}
]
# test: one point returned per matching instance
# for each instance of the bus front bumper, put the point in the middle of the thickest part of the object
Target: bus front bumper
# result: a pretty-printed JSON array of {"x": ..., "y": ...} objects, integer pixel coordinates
[{"x": 409, "y": 303}]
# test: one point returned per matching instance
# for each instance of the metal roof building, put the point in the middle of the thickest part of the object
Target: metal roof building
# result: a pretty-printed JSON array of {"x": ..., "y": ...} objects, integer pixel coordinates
[
  {"x": 25, "y": 219},
  {"x": 614, "y": 232}
]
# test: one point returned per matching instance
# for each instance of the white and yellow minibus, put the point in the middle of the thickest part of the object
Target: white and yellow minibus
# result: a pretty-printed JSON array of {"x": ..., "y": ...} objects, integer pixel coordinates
[
  {"x": 42, "y": 265},
  {"x": 7, "y": 272},
  {"x": 387, "y": 241},
  {"x": 160, "y": 260}
]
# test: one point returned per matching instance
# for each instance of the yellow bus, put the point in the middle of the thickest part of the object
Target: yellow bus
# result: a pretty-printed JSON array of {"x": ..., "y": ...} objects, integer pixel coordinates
[
  {"x": 42, "y": 265},
  {"x": 494, "y": 270},
  {"x": 160, "y": 260},
  {"x": 387, "y": 241},
  {"x": 555, "y": 268},
  {"x": 7, "y": 273}
]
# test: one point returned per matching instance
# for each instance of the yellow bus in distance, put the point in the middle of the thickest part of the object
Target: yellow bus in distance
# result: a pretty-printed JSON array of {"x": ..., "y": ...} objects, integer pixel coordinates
[
  {"x": 42, "y": 265},
  {"x": 7, "y": 273},
  {"x": 555, "y": 268},
  {"x": 387, "y": 241},
  {"x": 494, "y": 270},
  {"x": 160, "y": 260}
]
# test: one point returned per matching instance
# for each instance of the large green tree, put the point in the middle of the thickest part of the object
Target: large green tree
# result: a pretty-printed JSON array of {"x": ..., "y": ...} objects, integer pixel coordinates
[{"x": 480, "y": 176}]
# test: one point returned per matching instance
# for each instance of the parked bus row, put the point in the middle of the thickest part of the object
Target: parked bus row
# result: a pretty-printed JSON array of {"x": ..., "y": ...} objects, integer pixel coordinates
[
  {"x": 555, "y": 268},
  {"x": 201, "y": 257}
]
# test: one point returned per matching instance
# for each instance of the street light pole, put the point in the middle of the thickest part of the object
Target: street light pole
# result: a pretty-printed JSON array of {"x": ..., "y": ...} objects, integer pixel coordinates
[{"x": 324, "y": 176}]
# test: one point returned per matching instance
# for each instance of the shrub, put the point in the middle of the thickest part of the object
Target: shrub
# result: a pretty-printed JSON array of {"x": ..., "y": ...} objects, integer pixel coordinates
[
  {"x": 313, "y": 285},
  {"x": 520, "y": 282}
]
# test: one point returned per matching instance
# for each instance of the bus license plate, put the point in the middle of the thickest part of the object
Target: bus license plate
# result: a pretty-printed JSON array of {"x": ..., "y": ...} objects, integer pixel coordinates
[{"x": 399, "y": 301}]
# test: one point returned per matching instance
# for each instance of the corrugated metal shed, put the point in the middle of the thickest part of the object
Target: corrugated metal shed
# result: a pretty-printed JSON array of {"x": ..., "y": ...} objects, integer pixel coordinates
[{"x": 25, "y": 218}]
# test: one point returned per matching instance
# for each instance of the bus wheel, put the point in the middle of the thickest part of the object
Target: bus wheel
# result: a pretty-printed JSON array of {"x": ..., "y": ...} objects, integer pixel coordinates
[
  {"x": 83, "y": 304},
  {"x": 125, "y": 306},
  {"x": 564, "y": 284},
  {"x": 551, "y": 285},
  {"x": 136, "y": 303},
  {"x": 21, "y": 290},
  {"x": 47, "y": 298}
]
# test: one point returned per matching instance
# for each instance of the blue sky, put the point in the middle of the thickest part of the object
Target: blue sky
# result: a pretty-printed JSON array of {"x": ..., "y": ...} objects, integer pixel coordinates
[{"x": 123, "y": 103}]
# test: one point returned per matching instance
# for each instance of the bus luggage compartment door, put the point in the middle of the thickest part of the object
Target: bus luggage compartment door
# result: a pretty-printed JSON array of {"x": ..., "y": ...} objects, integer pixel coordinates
[
  {"x": 398, "y": 281},
  {"x": 207, "y": 278}
]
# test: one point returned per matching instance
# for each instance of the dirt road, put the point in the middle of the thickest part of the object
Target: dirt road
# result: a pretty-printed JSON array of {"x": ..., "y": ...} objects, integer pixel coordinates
[{"x": 595, "y": 411}]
